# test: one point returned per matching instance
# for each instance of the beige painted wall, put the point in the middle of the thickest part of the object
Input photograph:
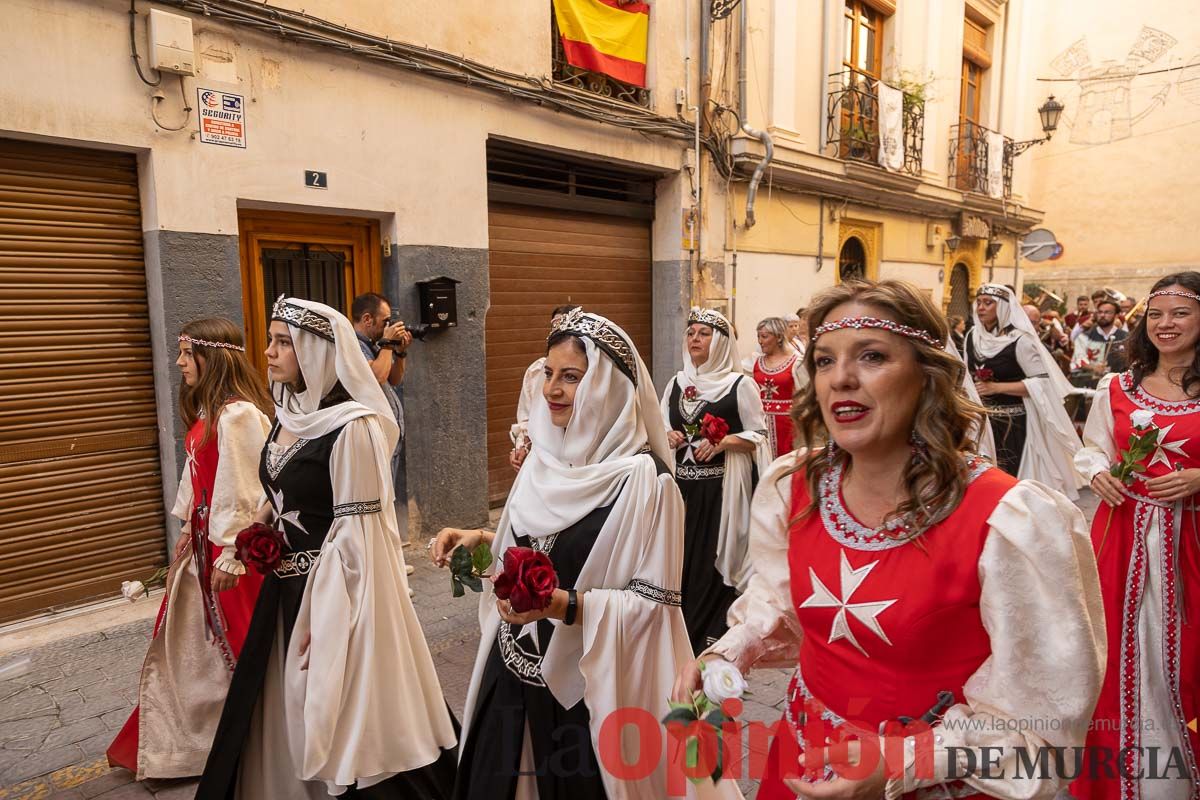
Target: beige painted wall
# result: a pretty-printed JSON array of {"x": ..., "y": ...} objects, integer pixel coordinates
[
  {"x": 1122, "y": 198},
  {"x": 406, "y": 148}
]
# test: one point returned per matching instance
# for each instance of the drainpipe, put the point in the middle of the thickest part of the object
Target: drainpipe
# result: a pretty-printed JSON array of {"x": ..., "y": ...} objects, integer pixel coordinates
[{"x": 762, "y": 136}]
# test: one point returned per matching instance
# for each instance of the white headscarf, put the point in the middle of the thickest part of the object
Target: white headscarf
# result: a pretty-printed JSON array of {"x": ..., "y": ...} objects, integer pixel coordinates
[
  {"x": 328, "y": 353},
  {"x": 572, "y": 471},
  {"x": 722, "y": 368},
  {"x": 1011, "y": 324}
]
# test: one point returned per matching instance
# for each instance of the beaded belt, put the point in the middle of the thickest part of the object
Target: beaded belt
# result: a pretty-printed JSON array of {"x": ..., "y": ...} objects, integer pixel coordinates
[
  {"x": 699, "y": 472},
  {"x": 295, "y": 564},
  {"x": 1006, "y": 411}
]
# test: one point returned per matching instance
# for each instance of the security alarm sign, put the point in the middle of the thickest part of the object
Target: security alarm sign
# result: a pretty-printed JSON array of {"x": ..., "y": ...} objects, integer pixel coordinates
[{"x": 222, "y": 118}]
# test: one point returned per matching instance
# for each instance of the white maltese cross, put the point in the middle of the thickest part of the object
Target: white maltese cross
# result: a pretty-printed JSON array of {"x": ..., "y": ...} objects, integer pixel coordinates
[{"x": 865, "y": 613}]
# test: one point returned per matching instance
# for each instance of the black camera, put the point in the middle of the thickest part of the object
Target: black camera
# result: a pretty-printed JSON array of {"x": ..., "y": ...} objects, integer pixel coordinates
[{"x": 418, "y": 331}]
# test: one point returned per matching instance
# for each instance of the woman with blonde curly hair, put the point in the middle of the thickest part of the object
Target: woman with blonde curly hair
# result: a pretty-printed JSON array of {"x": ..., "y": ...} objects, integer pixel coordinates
[{"x": 908, "y": 579}]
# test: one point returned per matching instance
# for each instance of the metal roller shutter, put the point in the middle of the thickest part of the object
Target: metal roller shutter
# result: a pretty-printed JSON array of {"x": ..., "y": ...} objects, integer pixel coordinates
[
  {"x": 80, "y": 481},
  {"x": 540, "y": 258}
]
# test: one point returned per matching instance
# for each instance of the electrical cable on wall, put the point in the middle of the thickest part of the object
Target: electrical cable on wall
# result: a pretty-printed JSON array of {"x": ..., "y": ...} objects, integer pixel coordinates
[
  {"x": 133, "y": 53},
  {"x": 159, "y": 97}
]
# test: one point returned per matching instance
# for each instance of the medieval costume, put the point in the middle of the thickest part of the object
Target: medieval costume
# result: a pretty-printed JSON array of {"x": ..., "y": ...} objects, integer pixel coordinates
[
  {"x": 335, "y": 693},
  {"x": 996, "y": 604},
  {"x": 198, "y": 634},
  {"x": 598, "y": 499},
  {"x": 717, "y": 492},
  {"x": 1034, "y": 436},
  {"x": 1148, "y": 552},
  {"x": 776, "y": 388}
]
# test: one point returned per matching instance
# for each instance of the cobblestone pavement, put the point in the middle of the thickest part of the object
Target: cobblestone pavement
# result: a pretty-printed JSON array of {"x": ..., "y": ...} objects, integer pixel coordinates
[{"x": 59, "y": 715}]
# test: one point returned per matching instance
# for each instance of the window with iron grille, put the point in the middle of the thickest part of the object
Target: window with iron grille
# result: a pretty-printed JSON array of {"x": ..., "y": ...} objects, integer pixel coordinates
[{"x": 594, "y": 82}]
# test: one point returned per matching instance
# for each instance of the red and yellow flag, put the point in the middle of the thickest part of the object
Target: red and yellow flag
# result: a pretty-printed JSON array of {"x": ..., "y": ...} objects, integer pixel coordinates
[{"x": 605, "y": 36}]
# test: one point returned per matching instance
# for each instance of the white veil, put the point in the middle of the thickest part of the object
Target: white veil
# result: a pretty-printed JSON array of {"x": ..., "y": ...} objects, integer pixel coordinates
[
  {"x": 713, "y": 378},
  {"x": 328, "y": 353}
]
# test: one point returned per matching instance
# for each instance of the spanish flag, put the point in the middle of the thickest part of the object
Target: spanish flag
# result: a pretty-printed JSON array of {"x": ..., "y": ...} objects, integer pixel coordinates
[{"x": 605, "y": 36}]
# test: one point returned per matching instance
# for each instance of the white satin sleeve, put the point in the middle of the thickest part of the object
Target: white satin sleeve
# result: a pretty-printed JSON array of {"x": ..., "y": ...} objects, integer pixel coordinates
[
  {"x": 370, "y": 674},
  {"x": 1041, "y": 607},
  {"x": 750, "y": 409},
  {"x": 241, "y": 432},
  {"x": 799, "y": 374},
  {"x": 1099, "y": 451},
  {"x": 763, "y": 629},
  {"x": 182, "y": 510}
]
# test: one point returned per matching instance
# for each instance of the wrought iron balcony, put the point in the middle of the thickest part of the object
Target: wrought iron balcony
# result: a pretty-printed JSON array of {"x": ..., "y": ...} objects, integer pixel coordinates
[
  {"x": 970, "y": 156},
  {"x": 589, "y": 81},
  {"x": 852, "y": 123}
]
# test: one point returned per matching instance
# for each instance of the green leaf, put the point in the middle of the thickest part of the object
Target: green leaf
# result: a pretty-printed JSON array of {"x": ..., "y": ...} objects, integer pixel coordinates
[
  {"x": 682, "y": 715},
  {"x": 692, "y": 757},
  {"x": 720, "y": 767},
  {"x": 716, "y": 718},
  {"x": 456, "y": 586},
  {"x": 472, "y": 582},
  {"x": 1138, "y": 467},
  {"x": 481, "y": 558}
]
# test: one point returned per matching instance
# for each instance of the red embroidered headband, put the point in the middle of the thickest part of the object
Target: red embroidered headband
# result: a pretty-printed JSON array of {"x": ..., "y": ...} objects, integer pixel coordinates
[
  {"x": 1174, "y": 293},
  {"x": 183, "y": 337},
  {"x": 891, "y": 326}
]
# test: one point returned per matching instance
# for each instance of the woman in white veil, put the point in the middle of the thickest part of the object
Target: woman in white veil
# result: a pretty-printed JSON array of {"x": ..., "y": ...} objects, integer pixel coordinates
[
  {"x": 716, "y": 478},
  {"x": 1023, "y": 390},
  {"x": 595, "y": 494},
  {"x": 335, "y": 693}
]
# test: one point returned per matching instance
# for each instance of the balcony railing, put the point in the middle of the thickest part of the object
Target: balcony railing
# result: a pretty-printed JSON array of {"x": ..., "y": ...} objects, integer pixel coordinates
[
  {"x": 589, "y": 81},
  {"x": 970, "y": 155},
  {"x": 852, "y": 123}
]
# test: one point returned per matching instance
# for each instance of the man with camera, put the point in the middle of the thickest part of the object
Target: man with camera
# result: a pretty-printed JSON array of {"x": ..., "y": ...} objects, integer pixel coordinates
[{"x": 384, "y": 342}]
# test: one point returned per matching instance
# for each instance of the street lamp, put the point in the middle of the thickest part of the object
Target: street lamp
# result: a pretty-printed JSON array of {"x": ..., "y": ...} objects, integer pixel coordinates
[{"x": 1050, "y": 112}]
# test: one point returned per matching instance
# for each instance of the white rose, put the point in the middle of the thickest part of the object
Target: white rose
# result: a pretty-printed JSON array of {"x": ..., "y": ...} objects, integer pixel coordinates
[
  {"x": 1142, "y": 418},
  {"x": 723, "y": 681},
  {"x": 132, "y": 590}
]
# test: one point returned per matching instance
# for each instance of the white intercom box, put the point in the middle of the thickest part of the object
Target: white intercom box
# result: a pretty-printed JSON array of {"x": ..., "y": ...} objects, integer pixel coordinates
[{"x": 171, "y": 46}]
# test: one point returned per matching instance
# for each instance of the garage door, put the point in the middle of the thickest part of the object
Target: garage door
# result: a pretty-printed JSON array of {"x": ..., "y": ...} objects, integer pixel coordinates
[
  {"x": 80, "y": 480},
  {"x": 541, "y": 258}
]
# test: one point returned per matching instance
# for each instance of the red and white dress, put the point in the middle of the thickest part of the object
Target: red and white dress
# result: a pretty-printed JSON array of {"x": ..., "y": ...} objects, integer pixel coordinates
[
  {"x": 998, "y": 605},
  {"x": 198, "y": 634},
  {"x": 1150, "y": 575},
  {"x": 776, "y": 388}
]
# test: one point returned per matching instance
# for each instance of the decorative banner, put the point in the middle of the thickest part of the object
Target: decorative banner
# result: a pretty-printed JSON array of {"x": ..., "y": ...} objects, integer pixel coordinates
[
  {"x": 891, "y": 127},
  {"x": 995, "y": 165},
  {"x": 605, "y": 36}
]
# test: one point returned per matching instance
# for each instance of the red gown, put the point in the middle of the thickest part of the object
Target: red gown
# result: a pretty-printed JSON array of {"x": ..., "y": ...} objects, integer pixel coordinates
[
  {"x": 209, "y": 632},
  {"x": 1149, "y": 567},
  {"x": 875, "y": 663},
  {"x": 776, "y": 388}
]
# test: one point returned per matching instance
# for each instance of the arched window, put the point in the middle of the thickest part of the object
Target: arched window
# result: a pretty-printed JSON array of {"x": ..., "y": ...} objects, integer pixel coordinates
[{"x": 852, "y": 261}]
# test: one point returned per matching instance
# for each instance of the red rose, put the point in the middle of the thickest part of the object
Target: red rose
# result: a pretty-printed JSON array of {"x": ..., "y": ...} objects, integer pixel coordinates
[
  {"x": 984, "y": 375},
  {"x": 690, "y": 393},
  {"x": 260, "y": 546},
  {"x": 528, "y": 580},
  {"x": 714, "y": 429}
]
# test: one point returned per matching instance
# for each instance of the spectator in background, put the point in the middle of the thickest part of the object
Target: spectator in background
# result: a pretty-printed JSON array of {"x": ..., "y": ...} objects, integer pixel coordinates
[
  {"x": 1056, "y": 340},
  {"x": 1083, "y": 310},
  {"x": 1125, "y": 304},
  {"x": 1034, "y": 313},
  {"x": 370, "y": 314},
  {"x": 796, "y": 334},
  {"x": 1099, "y": 350},
  {"x": 1084, "y": 325}
]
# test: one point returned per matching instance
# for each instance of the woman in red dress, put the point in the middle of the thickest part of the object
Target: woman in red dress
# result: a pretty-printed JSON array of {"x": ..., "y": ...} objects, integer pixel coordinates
[
  {"x": 208, "y": 601},
  {"x": 779, "y": 373},
  {"x": 1148, "y": 551},
  {"x": 906, "y": 579}
]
